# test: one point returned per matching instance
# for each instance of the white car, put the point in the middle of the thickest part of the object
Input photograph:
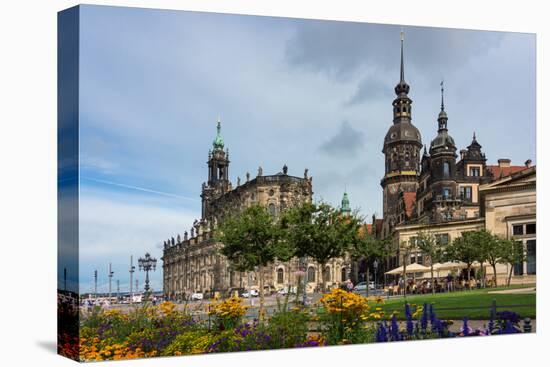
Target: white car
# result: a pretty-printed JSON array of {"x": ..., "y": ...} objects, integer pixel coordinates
[
  {"x": 362, "y": 287},
  {"x": 197, "y": 296}
]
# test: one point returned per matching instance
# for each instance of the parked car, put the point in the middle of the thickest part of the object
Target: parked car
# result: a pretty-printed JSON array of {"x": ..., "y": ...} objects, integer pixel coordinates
[
  {"x": 285, "y": 291},
  {"x": 238, "y": 291},
  {"x": 361, "y": 287},
  {"x": 197, "y": 296}
]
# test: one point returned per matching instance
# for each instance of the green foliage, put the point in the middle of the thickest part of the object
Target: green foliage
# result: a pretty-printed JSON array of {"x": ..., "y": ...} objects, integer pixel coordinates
[
  {"x": 287, "y": 328},
  {"x": 193, "y": 342},
  {"x": 250, "y": 238},
  {"x": 319, "y": 231}
]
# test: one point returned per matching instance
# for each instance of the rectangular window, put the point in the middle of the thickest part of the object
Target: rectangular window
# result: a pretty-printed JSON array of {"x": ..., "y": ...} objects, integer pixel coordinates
[
  {"x": 442, "y": 239},
  {"x": 420, "y": 259},
  {"x": 474, "y": 171},
  {"x": 446, "y": 192},
  {"x": 531, "y": 228},
  {"x": 531, "y": 257},
  {"x": 518, "y": 269},
  {"x": 466, "y": 193},
  {"x": 517, "y": 230}
]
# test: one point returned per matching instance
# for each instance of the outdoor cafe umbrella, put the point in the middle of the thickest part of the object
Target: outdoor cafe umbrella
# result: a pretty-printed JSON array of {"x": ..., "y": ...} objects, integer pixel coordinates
[{"x": 412, "y": 268}]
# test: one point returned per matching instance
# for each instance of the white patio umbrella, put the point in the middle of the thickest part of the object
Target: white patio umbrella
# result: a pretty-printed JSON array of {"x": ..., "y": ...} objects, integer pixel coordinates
[{"x": 412, "y": 268}]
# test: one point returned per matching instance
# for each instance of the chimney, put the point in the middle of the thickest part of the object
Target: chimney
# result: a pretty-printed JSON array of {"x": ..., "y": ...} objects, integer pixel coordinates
[
  {"x": 528, "y": 163},
  {"x": 503, "y": 163},
  {"x": 463, "y": 153}
]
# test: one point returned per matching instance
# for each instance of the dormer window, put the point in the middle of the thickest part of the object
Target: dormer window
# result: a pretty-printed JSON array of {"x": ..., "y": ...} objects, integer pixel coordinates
[{"x": 474, "y": 171}]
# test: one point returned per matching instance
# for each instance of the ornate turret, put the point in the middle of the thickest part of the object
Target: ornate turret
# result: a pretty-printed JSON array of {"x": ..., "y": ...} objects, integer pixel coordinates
[
  {"x": 345, "y": 209},
  {"x": 218, "y": 173},
  {"x": 443, "y": 141},
  {"x": 218, "y": 141}
]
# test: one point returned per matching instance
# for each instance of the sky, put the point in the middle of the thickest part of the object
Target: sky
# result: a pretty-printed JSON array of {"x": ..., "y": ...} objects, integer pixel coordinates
[{"x": 310, "y": 94}]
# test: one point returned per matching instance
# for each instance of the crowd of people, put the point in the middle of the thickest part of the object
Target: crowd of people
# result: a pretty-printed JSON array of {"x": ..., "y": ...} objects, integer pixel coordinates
[{"x": 448, "y": 283}]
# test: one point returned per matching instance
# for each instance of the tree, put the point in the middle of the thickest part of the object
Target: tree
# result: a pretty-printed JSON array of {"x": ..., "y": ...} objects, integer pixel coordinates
[
  {"x": 465, "y": 249},
  {"x": 366, "y": 246},
  {"x": 512, "y": 253},
  {"x": 251, "y": 240},
  {"x": 489, "y": 250},
  {"x": 432, "y": 249},
  {"x": 319, "y": 231}
]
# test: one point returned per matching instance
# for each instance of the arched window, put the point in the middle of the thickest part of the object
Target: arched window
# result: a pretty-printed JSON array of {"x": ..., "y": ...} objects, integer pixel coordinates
[
  {"x": 311, "y": 274},
  {"x": 272, "y": 209},
  {"x": 344, "y": 274},
  {"x": 280, "y": 275},
  {"x": 327, "y": 273},
  {"x": 446, "y": 169}
]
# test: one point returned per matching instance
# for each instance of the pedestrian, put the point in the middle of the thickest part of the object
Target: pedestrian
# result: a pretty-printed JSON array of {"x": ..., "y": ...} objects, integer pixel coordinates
[{"x": 349, "y": 285}]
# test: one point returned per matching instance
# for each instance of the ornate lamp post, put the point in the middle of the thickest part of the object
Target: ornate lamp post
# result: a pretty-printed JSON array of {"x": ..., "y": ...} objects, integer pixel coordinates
[
  {"x": 147, "y": 264},
  {"x": 375, "y": 268}
]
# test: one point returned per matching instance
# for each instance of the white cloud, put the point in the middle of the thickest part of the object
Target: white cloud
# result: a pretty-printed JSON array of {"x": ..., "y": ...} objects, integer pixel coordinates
[{"x": 114, "y": 226}]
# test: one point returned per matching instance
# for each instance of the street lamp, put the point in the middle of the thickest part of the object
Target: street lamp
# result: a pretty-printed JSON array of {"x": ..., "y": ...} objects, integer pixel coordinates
[
  {"x": 147, "y": 264},
  {"x": 132, "y": 270},
  {"x": 110, "y": 275},
  {"x": 375, "y": 267}
]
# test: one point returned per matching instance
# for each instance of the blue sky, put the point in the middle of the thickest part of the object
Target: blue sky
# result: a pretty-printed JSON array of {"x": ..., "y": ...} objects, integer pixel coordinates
[{"x": 305, "y": 93}]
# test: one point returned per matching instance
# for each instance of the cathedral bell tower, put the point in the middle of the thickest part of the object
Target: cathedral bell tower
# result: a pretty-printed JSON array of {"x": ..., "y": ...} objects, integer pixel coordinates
[
  {"x": 402, "y": 145},
  {"x": 218, "y": 174}
]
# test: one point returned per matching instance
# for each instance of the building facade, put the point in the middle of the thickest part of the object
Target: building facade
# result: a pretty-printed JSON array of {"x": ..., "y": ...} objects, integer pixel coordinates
[
  {"x": 445, "y": 193},
  {"x": 193, "y": 263}
]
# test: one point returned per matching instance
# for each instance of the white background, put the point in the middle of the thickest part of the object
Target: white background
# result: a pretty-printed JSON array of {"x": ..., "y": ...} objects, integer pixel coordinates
[{"x": 28, "y": 181}]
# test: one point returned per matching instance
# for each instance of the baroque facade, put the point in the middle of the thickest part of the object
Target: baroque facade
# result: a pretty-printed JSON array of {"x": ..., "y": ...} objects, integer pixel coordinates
[
  {"x": 446, "y": 193},
  {"x": 193, "y": 263}
]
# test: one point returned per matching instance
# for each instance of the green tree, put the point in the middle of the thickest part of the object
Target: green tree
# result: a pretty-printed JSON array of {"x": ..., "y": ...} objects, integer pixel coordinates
[
  {"x": 367, "y": 247},
  {"x": 319, "y": 231},
  {"x": 251, "y": 240},
  {"x": 489, "y": 250},
  {"x": 465, "y": 249},
  {"x": 512, "y": 253},
  {"x": 432, "y": 249}
]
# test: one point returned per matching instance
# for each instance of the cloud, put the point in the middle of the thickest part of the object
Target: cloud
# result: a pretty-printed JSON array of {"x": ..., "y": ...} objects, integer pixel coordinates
[
  {"x": 114, "y": 226},
  {"x": 342, "y": 50},
  {"x": 370, "y": 89},
  {"x": 346, "y": 143}
]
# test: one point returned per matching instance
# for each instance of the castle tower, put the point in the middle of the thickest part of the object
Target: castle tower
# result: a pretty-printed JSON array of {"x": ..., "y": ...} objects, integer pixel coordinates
[
  {"x": 443, "y": 174},
  {"x": 402, "y": 145},
  {"x": 218, "y": 174}
]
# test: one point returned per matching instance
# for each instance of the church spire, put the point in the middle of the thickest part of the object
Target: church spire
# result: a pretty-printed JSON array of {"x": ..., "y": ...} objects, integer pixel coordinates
[
  {"x": 402, "y": 80},
  {"x": 442, "y": 102},
  {"x": 218, "y": 141},
  {"x": 402, "y": 89},
  {"x": 402, "y": 104},
  {"x": 442, "y": 118}
]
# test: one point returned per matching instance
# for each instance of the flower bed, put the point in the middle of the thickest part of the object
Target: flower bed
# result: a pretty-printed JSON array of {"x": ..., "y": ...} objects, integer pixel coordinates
[{"x": 342, "y": 318}]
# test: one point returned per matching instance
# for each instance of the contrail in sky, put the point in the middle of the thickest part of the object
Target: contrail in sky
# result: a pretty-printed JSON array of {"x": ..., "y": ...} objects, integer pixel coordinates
[{"x": 143, "y": 189}]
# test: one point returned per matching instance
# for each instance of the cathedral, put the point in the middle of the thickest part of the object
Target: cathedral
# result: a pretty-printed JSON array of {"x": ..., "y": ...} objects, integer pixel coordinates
[{"x": 192, "y": 262}]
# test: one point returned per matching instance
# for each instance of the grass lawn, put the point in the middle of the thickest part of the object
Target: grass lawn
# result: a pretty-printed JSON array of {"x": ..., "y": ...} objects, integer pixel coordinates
[{"x": 465, "y": 299}]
